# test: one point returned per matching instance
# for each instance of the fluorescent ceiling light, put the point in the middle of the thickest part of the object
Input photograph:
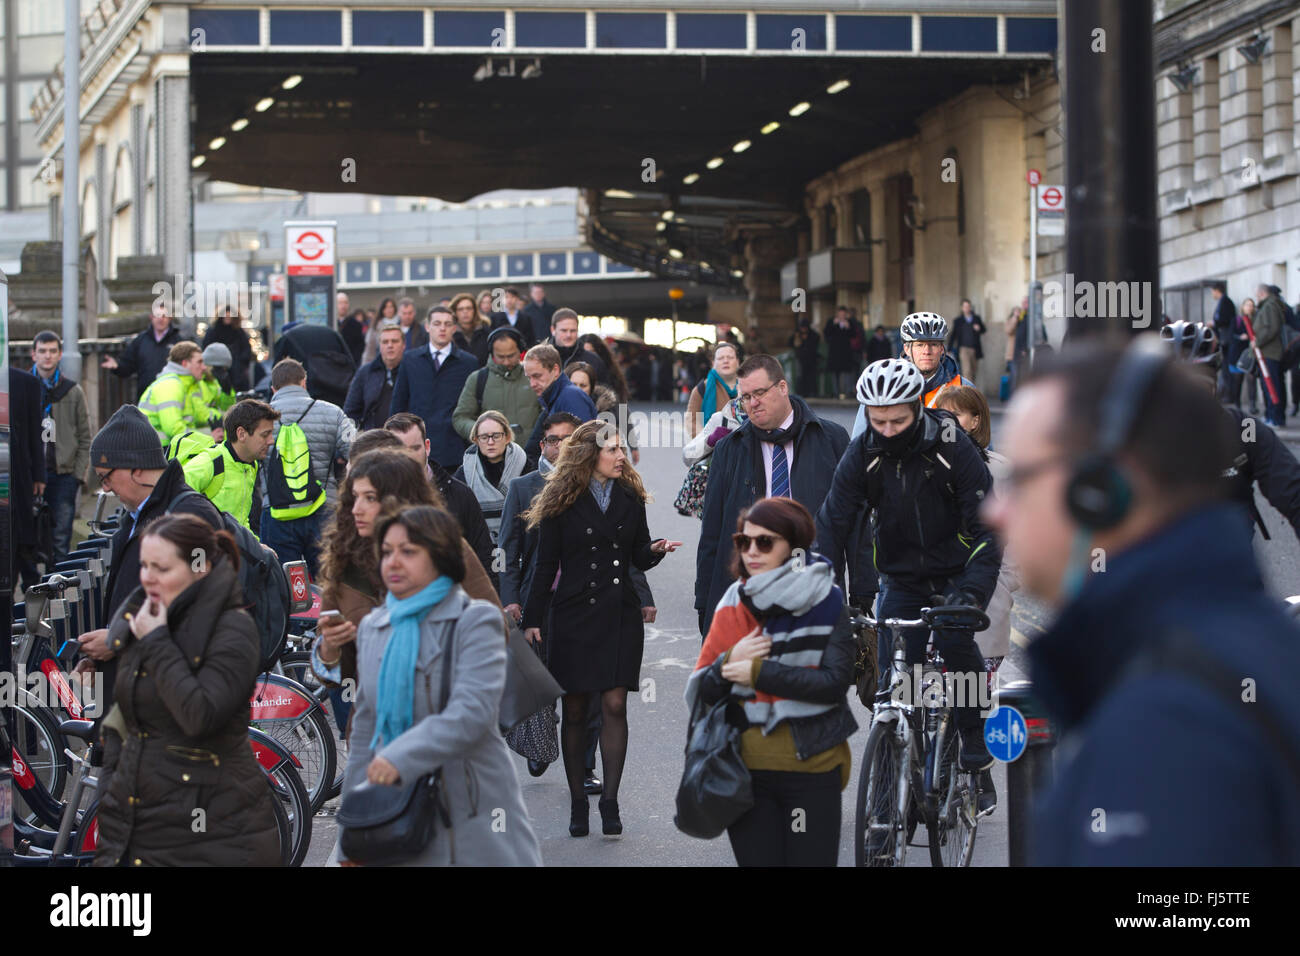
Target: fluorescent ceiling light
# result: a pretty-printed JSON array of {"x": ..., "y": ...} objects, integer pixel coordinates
[
  {"x": 198, "y": 161},
  {"x": 714, "y": 163},
  {"x": 771, "y": 127},
  {"x": 837, "y": 86},
  {"x": 740, "y": 147},
  {"x": 617, "y": 194},
  {"x": 217, "y": 143},
  {"x": 291, "y": 82},
  {"x": 264, "y": 104},
  {"x": 800, "y": 108},
  {"x": 675, "y": 253},
  {"x": 239, "y": 124},
  {"x": 668, "y": 215},
  {"x": 692, "y": 179}
]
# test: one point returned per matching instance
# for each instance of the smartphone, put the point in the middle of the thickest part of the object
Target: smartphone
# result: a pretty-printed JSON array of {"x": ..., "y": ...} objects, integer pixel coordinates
[{"x": 328, "y": 616}]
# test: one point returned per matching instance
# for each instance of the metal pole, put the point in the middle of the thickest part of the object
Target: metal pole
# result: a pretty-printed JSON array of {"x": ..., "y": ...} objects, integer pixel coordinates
[
  {"x": 1110, "y": 150},
  {"x": 1033, "y": 269},
  {"x": 71, "y": 188}
]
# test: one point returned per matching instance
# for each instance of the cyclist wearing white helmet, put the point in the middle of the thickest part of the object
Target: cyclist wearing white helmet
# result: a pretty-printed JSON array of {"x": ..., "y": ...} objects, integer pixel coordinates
[
  {"x": 922, "y": 481},
  {"x": 924, "y": 335},
  {"x": 1260, "y": 457}
]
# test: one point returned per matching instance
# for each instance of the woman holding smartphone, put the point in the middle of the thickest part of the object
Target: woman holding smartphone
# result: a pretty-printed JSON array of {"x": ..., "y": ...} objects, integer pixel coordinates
[
  {"x": 186, "y": 790},
  {"x": 379, "y": 476},
  {"x": 593, "y": 532}
]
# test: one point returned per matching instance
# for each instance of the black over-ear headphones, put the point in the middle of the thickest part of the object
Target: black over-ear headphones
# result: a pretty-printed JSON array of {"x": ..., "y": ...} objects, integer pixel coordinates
[{"x": 1099, "y": 494}]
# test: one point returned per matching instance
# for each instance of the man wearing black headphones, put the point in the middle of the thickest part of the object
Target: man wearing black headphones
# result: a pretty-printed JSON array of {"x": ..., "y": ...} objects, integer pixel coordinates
[
  {"x": 498, "y": 386},
  {"x": 1173, "y": 701}
]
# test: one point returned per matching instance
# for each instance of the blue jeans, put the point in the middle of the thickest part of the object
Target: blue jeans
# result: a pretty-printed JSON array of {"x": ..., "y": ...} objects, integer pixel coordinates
[
  {"x": 296, "y": 540},
  {"x": 958, "y": 649},
  {"x": 61, "y": 491}
]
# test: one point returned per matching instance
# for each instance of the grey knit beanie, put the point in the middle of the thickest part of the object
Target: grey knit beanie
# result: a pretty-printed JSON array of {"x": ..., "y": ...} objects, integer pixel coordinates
[{"x": 127, "y": 440}]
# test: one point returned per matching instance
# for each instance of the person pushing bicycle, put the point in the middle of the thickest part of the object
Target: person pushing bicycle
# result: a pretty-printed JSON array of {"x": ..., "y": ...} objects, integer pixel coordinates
[{"x": 924, "y": 481}]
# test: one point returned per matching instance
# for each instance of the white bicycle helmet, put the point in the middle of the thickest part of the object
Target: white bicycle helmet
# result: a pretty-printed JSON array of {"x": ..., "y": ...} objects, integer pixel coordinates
[
  {"x": 1194, "y": 342},
  {"x": 924, "y": 327},
  {"x": 890, "y": 382}
]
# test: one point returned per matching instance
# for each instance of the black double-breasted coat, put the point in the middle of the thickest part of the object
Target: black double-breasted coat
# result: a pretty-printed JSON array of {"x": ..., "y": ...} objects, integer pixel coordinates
[{"x": 595, "y": 631}]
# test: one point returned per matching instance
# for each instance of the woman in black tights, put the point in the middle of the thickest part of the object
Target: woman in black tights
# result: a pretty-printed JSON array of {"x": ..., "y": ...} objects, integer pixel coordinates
[{"x": 591, "y": 512}]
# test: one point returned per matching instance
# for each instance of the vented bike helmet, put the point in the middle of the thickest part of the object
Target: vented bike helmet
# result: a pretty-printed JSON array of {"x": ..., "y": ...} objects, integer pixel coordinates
[
  {"x": 924, "y": 327},
  {"x": 890, "y": 382},
  {"x": 1194, "y": 342}
]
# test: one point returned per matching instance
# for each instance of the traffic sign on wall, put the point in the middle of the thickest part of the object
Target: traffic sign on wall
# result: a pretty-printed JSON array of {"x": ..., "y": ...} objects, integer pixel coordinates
[{"x": 1051, "y": 210}]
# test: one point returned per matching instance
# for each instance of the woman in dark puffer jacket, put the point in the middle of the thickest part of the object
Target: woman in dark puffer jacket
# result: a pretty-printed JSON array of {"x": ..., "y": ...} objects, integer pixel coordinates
[{"x": 187, "y": 790}]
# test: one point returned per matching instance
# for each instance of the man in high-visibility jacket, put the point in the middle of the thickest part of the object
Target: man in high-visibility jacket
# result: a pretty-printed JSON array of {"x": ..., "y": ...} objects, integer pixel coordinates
[
  {"x": 227, "y": 473},
  {"x": 215, "y": 395},
  {"x": 167, "y": 402},
  {"x": 924, "y": 335}
]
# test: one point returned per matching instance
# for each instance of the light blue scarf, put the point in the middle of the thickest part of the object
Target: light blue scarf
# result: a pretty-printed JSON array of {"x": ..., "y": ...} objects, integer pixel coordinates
[
  {"x": 711, "y": 392},
  {"x": 396, "y": 696}
]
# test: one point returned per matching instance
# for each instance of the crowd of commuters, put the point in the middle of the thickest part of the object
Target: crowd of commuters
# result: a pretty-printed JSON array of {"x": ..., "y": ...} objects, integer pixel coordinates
[{"x": 463, "y": 487}]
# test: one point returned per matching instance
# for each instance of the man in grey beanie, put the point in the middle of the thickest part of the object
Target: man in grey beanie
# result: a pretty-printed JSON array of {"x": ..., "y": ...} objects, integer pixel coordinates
[{"x": 129, "y": 462}]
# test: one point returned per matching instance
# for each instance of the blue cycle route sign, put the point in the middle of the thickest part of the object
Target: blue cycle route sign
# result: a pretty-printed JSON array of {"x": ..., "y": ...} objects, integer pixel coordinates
[{"x": 1005, "y": 734}]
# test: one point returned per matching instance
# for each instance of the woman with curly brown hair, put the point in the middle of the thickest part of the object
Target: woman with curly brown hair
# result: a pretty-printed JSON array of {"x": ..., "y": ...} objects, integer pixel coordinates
[
  {"x": 378, "y": 480},
  {"x": 472, "y": 326},
  {"x": 591, "y": 512}
]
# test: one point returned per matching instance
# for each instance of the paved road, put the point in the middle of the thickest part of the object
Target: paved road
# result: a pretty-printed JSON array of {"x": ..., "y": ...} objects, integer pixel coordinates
[{"x": 657, "y": 717}]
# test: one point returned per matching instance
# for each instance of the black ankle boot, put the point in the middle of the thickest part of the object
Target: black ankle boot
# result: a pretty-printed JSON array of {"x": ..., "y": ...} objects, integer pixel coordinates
[
  {"x": 578, "y": 826},
  {"x": 610, "y": 824}
]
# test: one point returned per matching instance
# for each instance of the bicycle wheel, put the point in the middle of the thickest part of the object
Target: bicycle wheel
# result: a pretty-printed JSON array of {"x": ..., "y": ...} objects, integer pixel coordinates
[
  {"x": 38, "y": 743},
  {"x": 310, "y": 740},
  {"x": 289, "y": 792},
  {"x": 283, "y": 825},
  {"x": 297, "y": 665},
  {"x": 879, "y": 832},
  {"x": 956, "y": 816}
]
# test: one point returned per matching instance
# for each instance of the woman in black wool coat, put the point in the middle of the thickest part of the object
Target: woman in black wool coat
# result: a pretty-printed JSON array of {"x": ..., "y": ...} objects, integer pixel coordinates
[
  {"x": 593, "y": 532},
  {"x": 186, "y": 789}
]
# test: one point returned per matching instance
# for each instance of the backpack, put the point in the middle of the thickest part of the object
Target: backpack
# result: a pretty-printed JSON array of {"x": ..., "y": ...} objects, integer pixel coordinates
[
  {"x": 937, "y": 466},
  {"x": 292, "y": 490},
  {"x": 188, "y": 444},
  {"x": 263, "y": 581}
]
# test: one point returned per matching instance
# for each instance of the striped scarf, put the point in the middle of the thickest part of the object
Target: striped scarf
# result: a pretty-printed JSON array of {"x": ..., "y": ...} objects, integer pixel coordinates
[{"x": 798, "y": 606}]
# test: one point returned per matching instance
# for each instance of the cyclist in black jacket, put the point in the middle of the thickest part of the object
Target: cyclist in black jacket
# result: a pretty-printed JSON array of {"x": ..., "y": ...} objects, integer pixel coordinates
[
  {"x": 1259, "y": 456},
  {"x": 924, "y": 481}
]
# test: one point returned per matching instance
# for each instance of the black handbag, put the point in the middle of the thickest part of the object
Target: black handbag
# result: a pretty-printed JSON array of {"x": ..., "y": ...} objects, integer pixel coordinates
[
  {"x": 529, "y": 687},
  {"x": 382, "y": 825},
  {"x": 716, "y": 789}
]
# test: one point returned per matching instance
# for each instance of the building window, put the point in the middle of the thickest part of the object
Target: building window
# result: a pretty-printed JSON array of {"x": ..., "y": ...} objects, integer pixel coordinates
[
  {"x": 856, "y": 32},
  {"x": 710, "y": 31},
  {"x": 777, "y": 31},
  {"x": 860, "y": 202},
  {"x": 466, "y": 28},
  {"x": 632, "y": 30},
  {"x": 534, "y": 29},
  {"x": 39, "y": 16},
  {"x": 387, "y": 28},
  {"x": 959, "y": 34},
  {"x": 1031, "y": 35},
  {"x": 306, "y": 28},
  {"x": 226, "y": 27}
]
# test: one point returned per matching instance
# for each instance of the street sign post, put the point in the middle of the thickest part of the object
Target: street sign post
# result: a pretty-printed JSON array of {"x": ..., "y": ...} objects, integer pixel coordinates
[
  {"x": 310, "y": 258},
  {"x": 1051, "y": 211}
]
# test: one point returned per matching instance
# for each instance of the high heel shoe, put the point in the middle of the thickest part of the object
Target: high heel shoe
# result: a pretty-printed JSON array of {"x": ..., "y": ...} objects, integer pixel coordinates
[
  {"x": 578, "y": 825},
  {"x": 610, "y": 824}
]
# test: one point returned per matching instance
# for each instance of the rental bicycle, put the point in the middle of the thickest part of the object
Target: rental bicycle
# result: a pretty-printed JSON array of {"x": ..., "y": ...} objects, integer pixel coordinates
[{"x": 911, "y": 773}]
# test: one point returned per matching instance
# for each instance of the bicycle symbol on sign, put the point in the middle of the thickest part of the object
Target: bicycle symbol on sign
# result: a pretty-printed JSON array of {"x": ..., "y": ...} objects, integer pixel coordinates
[{"x": 996, "y": 735}]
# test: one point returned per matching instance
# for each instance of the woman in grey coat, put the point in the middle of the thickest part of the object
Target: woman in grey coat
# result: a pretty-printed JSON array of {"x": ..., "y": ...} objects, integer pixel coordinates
[{"x": 400, "y": 728}]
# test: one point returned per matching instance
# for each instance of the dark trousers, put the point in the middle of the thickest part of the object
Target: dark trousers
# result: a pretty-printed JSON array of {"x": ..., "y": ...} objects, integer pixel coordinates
[
  {"x": 296, "y": 540},
  {"x": 61, "y": 492},
  {"x": 795, "y": 820},
  {"x": 1275, "y": 412},
  {"x": 957, "y": 648}
]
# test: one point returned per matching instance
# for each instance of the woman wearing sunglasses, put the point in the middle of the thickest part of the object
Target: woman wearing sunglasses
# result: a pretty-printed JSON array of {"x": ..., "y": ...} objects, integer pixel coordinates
[{"x": 781, "y": 644}]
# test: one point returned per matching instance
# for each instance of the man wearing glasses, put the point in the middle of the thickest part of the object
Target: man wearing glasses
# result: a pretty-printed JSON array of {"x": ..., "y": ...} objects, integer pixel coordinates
[
  {"x": 429, "y": 383},
  {"x": 784, "y": 449}
]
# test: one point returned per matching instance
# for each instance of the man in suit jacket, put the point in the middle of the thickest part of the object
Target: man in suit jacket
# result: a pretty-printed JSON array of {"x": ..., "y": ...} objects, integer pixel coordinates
[
  {"x": 429, "y": 382},
  {"x": 514, "y": 316},
  {"x": 539, "y": 312},
  {"x": 745, "y": 468},
  {"x": 147, "y": 354}
]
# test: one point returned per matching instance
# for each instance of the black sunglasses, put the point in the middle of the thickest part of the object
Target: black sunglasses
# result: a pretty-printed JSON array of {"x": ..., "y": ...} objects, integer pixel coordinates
[{"x": 764, "y": 542}]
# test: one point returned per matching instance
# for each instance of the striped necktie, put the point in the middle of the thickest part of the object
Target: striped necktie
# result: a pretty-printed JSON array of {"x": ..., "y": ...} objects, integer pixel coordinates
[{"x": 780, "y": 473}]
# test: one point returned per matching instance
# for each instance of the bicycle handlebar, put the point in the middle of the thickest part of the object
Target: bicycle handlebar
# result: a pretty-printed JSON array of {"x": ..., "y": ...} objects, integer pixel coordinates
[
  {"x": 955, "y": 617},
  {"x": 57, "y": 583}
]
